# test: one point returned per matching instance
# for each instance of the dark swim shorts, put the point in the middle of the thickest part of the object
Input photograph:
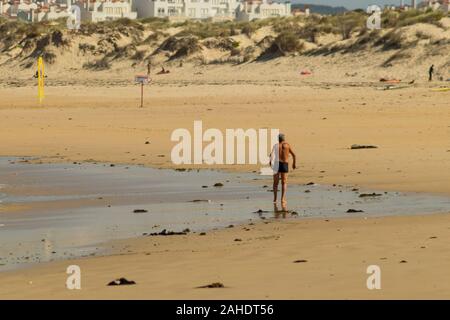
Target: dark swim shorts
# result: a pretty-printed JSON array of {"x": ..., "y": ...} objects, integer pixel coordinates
[{"x": 283, "y": 167}]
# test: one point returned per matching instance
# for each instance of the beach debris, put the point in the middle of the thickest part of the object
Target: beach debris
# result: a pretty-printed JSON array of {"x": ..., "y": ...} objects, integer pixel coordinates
[
  {"x": 230, "y": 226},
  {"x": 305, "y": 73},
  {"x": 237, "y": 239},
  {"x": 433, "y": 237},
  {"x": 301, "y": 261},
  {"x": 403, "y": 261},
  {"x": 180, "y": 169},
  {"x": 294, "y": 213},
  {"x": 310, "y": 184},
  {"x": 354, "y": 211},
  {"x": 370, "y": 195},
  {"x": 140, "y": 211},
  {"x": 218, "y": 184},
  {"x": 390, "y": 80},
  {"x": 261, "y": 211},
  {"x": 361, "y": 146},
  {"x": 147, "y": 142},
  {"x": 440, "y": 89},
  {"x": 307, "y": 191},
  {"x": 121, "y": 282},
  {"x": 392, "y": 87},
  {"x": 213, "y": 285},
  {"x": 112, "y": 165},
  {"x": 202, "y": 234},
  {"x": 204, "y": 187},
  {"x": 164, "y": 232},
  {"x": 200, "y": 200}
]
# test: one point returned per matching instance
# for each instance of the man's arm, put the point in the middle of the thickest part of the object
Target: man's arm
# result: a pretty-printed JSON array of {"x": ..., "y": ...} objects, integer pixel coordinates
[{"x": 294, "y": 164}]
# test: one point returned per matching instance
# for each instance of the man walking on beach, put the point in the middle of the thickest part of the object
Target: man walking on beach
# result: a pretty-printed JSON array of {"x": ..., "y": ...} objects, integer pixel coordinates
[{"x": 281, "y": 152}]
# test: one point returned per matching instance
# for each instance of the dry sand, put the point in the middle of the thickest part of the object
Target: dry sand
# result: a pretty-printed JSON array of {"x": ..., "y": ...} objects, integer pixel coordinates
[{"x": 411, "y": 128}]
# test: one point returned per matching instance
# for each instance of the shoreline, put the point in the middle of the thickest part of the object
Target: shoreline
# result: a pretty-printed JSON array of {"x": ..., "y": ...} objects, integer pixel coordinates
[
  {"x": 305, "y": 201},
  {"x": 107, "y": 246}
]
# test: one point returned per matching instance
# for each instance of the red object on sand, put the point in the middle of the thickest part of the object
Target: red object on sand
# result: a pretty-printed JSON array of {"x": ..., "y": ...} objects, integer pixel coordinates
[{"x": 390, "y": 80}]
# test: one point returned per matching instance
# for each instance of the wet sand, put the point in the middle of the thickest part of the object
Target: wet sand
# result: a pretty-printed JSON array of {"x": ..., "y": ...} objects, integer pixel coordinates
[
  {"x": 76, "y": 210},
  {"x": 410, "y": 127}
]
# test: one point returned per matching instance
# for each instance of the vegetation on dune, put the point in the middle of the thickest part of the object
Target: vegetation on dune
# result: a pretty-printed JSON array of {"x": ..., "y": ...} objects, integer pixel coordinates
[
  {"x": 105, "y": 43},
  {"x": 393, "y": 19}
]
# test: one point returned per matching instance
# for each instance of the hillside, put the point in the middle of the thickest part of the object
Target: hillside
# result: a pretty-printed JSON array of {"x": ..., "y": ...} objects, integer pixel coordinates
[{"x": 333, "y": 47}]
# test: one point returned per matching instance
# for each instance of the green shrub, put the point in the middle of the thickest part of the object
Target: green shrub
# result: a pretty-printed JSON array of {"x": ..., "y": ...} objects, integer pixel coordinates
[{"x": 288, "y": 42}]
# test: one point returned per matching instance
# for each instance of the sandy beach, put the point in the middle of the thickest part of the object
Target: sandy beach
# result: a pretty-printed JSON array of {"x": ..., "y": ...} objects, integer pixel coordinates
[
  {"x": 410, "y": 127},
  {"x": 326, "y": 82}
]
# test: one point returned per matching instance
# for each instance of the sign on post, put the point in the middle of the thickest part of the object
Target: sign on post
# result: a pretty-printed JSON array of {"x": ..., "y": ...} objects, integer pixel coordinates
[{"x": 142, "y": 80}]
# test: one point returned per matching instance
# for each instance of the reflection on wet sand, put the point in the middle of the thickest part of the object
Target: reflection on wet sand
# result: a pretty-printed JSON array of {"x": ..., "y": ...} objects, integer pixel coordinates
[{"x": 280, "y": 213}]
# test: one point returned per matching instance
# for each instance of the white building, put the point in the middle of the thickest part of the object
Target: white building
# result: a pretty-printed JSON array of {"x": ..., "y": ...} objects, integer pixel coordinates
[
  {"x": 33, "y": 11},
  {"x": 215, "y": 9},
  {"x": 18, "y": 9},
  {"x": 435, "y": 5},
  {"x": 95, "y": 11},
  {"x": 101, "y": 10},
  {"x": 186, "y": 9},
  {"x": 261, "y": 9},
  {"x": 50, "y": 12}
]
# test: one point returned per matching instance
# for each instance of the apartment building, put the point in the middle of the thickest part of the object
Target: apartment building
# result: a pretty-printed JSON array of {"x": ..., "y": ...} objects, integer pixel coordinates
[
  {"x": 214, "y": 9},
  {"x": 261, "y": 9},
  {"x": 95, "y": 11}
]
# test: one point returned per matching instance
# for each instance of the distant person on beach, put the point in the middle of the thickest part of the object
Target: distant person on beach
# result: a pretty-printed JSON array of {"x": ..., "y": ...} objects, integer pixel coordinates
[
  {"x": 149, "y": 68},
  {"x": 430, "y": 73},
  {"x": 281, "y": 153}
]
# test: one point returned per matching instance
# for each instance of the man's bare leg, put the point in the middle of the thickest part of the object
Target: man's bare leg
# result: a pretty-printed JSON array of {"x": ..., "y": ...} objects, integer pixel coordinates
[
  {"x": 276, "y": 179},
  {"x": 283, "y": 187}
]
